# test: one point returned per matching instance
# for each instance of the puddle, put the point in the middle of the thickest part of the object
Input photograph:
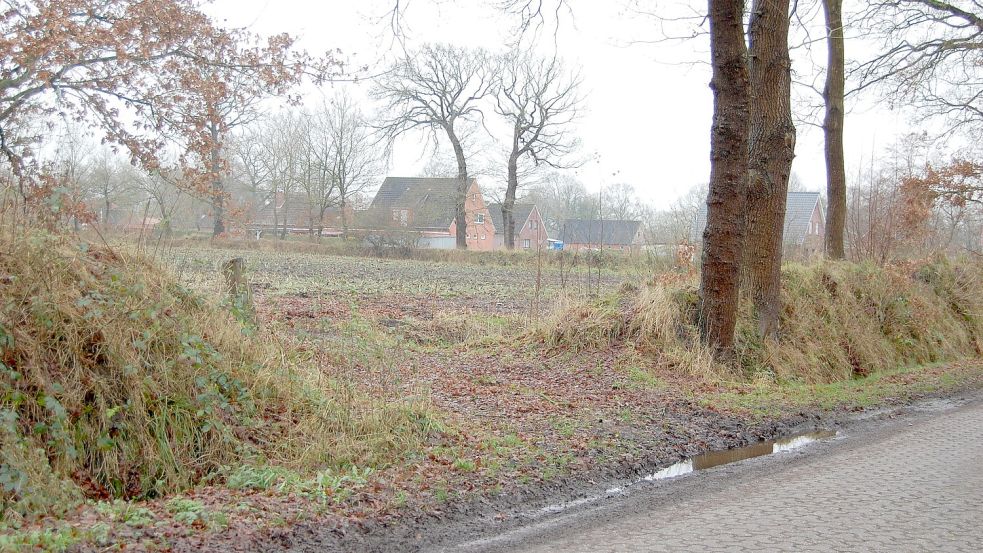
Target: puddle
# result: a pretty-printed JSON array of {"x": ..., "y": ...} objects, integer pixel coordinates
[
  {"x": 693, "y": 464},
  {"x": 727, "y": 456}
]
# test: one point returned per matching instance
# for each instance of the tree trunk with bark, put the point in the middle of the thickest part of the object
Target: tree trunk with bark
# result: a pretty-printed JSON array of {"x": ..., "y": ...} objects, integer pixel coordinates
[
  {"x": 218, "y": 191},
  {"x": 344, "y": 218},
  {"x": 723, "y": 239},
  {"x": 771, "y": 150},
  {"x": 833, "y": 95},
  {"x": 460, "y": 215},
  {"x": 508, "y": 205}
]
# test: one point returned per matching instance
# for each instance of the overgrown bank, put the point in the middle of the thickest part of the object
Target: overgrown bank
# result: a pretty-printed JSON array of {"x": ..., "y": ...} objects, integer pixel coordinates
[
  {"x": 608, "y": 392},
  {"x": 115, "y": 381},
  {"x": 839, "y": 321}
]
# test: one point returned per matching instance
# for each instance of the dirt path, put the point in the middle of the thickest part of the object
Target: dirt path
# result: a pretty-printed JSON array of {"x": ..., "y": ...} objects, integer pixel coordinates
[{"x": 914, "y": 483}]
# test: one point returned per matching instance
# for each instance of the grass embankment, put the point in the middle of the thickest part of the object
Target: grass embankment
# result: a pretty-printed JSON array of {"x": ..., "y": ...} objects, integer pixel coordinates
[
  {"x": 839, "y": 321},
  {"x": 115, "y": 381}
]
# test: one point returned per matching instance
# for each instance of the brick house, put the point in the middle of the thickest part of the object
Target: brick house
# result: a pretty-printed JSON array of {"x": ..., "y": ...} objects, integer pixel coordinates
[
  {"x": 427, "y": 206},
  {"x": 592, "y": 234},
  {"x": 805, "y": 225},
  {"x": 529, "y": 227}
]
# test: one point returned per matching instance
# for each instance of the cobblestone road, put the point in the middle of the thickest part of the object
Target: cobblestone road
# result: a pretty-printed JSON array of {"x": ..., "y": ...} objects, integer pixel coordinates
[{"x": 917, "y": 488}]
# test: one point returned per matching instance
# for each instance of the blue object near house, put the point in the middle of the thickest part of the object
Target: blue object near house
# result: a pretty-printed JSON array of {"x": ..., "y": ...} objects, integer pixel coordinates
[{"x": 555, "y": 245}]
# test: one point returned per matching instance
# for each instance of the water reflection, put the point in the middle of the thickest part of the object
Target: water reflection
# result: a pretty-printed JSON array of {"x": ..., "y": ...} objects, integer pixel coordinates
[{"x": 726, "y": 456}]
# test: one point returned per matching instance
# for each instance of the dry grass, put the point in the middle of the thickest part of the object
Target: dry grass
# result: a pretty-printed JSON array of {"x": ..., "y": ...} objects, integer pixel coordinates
[
  {"x": 840, "y": 320},
  {"x": 116, "y": 381}
]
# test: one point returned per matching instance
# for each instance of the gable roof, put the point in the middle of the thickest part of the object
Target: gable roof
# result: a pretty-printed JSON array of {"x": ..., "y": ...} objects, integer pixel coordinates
[
  {"x": 520, "y": 214},
  {"x": 431, "y": 199},
  {"x": 799, "y": 207},
  {"x": 593, "y": 231}
]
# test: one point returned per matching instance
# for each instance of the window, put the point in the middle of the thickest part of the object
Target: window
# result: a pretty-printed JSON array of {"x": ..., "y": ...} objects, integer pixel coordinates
[
  {"x": 474, "y": 198},
  {"x": 482, "y": 236},
  {"x": 401, "y": 216},
  {"x": 479, "y": 218},
  {"x": 526, "y": 244},
  {"x": 534, "y": 224}
]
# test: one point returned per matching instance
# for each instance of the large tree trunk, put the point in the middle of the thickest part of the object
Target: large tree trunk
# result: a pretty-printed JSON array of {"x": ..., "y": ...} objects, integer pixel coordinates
[
  {"x": 723, "y": 239},
  {"x": 508, "y": 206},
  {"x": 276, "y": 215},
  {"x": 286, "y": 222},
  {"x": 218, "y": 192},
  {"x": 833, "y": 129},
  {"x": 344, "y": 217},
  {"x": 771, "y": 149},
  {"x": 460, "y": 215}
]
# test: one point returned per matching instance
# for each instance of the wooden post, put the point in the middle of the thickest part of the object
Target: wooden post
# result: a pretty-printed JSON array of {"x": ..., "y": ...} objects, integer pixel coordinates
[
  {"x": 234, "y": 280},
  {"x": 235, "y": 284}
]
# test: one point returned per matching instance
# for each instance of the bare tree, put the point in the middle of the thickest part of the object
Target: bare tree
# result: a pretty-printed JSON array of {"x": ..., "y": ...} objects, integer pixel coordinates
[
  {"x": 110, "y": 184},
  {"x": 312, "y": 174},
  {"x": 281, "y": 149},
  {"x": 560, "y": 197},
  {"x": 621, "y": 202},
  {"x": 723, "y": 239},
  {"x": 347, "y": 150},
  {"x": 540, "y": 100},
  {"x": 165, "y": 192},
  {"x": 438, "y": 89},
  {"x": 251, "y": 170},
  {"x": 932, "y": 58},
  {"x": 72, "y": 167}
]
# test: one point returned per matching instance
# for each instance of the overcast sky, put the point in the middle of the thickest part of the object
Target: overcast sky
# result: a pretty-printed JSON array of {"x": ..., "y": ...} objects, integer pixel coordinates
[{"x": 648, "y": 106}]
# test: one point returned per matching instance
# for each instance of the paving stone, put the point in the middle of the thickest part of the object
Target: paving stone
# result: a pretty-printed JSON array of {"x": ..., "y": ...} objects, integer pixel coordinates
[{"x": 919, "y": 489}]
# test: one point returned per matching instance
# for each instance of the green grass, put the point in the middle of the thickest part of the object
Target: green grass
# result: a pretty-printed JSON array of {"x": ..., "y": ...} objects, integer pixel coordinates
[
  {"x": 126, "y": 512},
  {"x": 768, "y": 399},
  {"x": 61, "y": 538},
  {"x": 192, "y": 512}
]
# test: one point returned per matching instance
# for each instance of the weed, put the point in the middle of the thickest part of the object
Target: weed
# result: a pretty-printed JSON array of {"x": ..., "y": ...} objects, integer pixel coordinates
[
  {"x": 326, "y": 484},
  {"x": 59, "y": 539},
  {"x": 126, "y": 512},
  {"x": 192, "y": 512},
  {"x": 566, "y": 427}
]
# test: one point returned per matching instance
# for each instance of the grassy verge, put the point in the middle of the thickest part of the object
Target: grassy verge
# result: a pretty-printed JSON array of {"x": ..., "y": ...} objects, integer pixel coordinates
[
  {"x": 761, "y": 400},
  {"x": 117, "y": 382},
  {"x": 839, "y": 321}
]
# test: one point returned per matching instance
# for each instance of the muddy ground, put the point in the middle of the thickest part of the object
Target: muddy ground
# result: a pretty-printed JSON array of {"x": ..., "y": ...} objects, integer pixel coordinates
[{"x": 484, "y": 517}]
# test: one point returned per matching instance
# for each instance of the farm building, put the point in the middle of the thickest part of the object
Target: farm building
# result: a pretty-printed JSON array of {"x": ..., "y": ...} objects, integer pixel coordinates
[
  {"x": 427, "y": 206},
  {"x": 805, "y": 224},
  {"x": 298, "y": 215},
  {"x": 529, "y": 227},
  {"x": 624, "y": 236}
]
